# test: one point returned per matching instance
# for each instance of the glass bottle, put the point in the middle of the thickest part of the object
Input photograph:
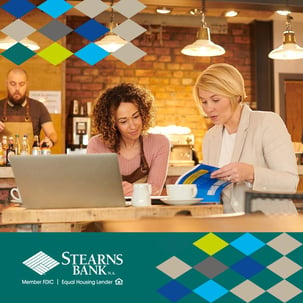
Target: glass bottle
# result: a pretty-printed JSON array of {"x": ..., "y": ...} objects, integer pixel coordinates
[
  {"x": 4, "y": 148},
  {"x": 17, "y": 145},
  {"x": 25, "y": 150},
  {"x": 45, "y": 150},
  {"x": 1, "y": 155},
  {"x": 10, "y": 151},
  {"x": 36, "y": 150}
]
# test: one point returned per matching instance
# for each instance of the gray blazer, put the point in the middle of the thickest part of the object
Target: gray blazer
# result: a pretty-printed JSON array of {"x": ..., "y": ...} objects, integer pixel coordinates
[{"x": 263, "y": 141}]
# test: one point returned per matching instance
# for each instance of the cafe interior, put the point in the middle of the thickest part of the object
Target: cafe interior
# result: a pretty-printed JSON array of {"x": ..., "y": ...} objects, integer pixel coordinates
[{"x": 246, "y": 34}]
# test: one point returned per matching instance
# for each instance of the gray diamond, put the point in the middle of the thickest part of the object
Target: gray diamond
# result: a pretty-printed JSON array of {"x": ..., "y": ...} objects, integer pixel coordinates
[
  {"x": 91, "y": 8},
  {"x": 210, "y": 267},
  {"x": 129, "y": 30},
  {"x": 247, "y": 291},
  {"x": 284, "y": 244},
  {"x": 128, "y": 8},
  {"x": 284, "y": 267},
  {"x": 18, "y": 30},
  {"x": 284, "y": 291},
  {"x": 129, "y": 53},
  {"x": 55, "y": 30},
  {"x": 174, "y": 267}
]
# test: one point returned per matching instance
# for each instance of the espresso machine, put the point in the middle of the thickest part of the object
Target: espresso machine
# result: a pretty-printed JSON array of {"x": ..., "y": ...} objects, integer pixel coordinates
[{"x": 78, "y": 125}]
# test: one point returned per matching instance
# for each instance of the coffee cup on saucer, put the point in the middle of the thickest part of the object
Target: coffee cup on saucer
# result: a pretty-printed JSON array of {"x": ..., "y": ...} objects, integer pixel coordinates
[{"x": 181, "y": 191}]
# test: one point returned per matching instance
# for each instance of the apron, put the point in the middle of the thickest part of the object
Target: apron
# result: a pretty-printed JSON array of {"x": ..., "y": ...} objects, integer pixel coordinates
[
  {"x": 141, "y": 173},
  {"x": 18, "y": 125}
]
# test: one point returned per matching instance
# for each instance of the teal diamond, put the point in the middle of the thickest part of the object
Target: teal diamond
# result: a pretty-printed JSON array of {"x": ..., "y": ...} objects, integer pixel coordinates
[
  {"x": 229, "y": 279},
  {"x": 18, "y": 53},
  {"x": 266, "y": 256},
  {"x": 192, "y": 279},
  {"x": 229, "y": 256},
  {"x": 55, "y": 53},
  {"x": 230, "y": 298},
  {"x": 296, "y": 279},
  {"x": 265, "y": 279},
  {"x": 296, "y": 256},
  {"x": 266, "y": 298}
]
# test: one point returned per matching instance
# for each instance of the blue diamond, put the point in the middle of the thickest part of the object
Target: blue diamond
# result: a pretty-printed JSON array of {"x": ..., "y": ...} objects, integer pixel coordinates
[
  {"x": 247, "y": 244},
  {"x": 91, "y": 53},
  {"x": 18, "y": 53},
  {"x": 174, "y": 291},
  {"x": 210, "y": 291},
  {"x": 91, "y": 30},
  {"x": 55, "y": 8},
  {"x": 18, "y": 8},
  {"x": 247, "y": 267}
]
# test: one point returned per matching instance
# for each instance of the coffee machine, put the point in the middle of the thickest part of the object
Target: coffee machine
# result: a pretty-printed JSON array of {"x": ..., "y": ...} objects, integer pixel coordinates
[{"x": 78, "y": 125}]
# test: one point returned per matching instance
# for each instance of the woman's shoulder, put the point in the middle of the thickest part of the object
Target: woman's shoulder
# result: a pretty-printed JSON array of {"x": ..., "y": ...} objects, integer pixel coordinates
[
  {"x": 155, "y": 139},
  {"x": 96, "y": 144}
]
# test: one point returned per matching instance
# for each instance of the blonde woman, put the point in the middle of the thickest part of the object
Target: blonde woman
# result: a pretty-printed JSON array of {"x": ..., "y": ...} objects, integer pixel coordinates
[{"x": 252, "y": 148}]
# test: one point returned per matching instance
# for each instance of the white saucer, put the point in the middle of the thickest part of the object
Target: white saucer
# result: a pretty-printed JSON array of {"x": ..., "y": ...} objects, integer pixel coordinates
[{"x": 181, "y": 202}]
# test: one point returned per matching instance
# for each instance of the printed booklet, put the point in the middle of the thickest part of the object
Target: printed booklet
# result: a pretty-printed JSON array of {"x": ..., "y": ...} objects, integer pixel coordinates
[{"x": 208, "y": 189}]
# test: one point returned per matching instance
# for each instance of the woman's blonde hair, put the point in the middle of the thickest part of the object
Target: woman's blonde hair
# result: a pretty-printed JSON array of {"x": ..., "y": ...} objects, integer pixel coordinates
[{"x": 222, "y": 79}]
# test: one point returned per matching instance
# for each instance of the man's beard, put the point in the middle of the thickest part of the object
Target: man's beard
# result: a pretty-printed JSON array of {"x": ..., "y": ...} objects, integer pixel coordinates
[{"x": 14, "y": 101}]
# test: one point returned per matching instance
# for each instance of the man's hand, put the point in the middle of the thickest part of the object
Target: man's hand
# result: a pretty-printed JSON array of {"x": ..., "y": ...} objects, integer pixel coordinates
[{"x": 2, "y": 126}]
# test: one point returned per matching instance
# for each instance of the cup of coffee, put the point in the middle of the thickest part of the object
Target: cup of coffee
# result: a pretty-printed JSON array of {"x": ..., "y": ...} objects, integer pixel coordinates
[
  {"x": 141, "y": 194},
  {"x": 15, "y": 194},
  {"x": 181, "y": 191}
]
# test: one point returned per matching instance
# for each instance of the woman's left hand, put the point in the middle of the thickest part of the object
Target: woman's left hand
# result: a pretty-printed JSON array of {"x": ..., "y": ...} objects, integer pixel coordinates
[
  {"x": 235, "y": 172},
  {"x": 127, "y": 188}
]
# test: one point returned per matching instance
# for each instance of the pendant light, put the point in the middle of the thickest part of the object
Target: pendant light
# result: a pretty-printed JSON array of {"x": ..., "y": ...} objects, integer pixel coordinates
[
  {"x": 203, "y": 46},
  {"x": 8, "y": 42},
  {"x": 289, "y": 50},
  {"x": 111, "y": 42}
]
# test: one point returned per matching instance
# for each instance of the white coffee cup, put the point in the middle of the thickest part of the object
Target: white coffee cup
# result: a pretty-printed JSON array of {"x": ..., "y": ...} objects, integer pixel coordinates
[
  {"x": 15, "y": 194},
  {"x": 141, "y": 194},
  {"x": 181, "y": 191}
]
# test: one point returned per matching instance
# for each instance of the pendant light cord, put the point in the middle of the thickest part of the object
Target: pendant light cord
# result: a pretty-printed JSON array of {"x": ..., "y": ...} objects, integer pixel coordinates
[{"x": 203, "y": 22}]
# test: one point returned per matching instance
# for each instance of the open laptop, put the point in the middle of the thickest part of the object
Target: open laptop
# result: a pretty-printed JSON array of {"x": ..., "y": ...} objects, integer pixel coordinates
[{"x": 69, "y": 181}]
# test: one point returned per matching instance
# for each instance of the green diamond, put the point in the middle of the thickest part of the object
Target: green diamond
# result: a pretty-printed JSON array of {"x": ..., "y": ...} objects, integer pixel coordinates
[
  {"x": 210, "y": 243},
  {"x": 18, "y": 53},
  {"x": 55, "y": 53}
]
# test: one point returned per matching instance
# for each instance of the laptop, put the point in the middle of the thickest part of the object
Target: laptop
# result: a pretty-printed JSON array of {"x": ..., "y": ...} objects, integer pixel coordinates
[{"x": 69, "y": 181}]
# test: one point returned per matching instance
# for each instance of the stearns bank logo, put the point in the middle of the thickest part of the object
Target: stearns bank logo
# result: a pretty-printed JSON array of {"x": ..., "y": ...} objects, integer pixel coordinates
[
  {"x": 41, "y": 263},
  {"x": 81, "y": 264}
]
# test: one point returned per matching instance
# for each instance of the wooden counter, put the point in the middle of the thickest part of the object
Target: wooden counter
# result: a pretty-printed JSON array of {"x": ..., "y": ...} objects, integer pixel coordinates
[{"x": 63, "y": 220}]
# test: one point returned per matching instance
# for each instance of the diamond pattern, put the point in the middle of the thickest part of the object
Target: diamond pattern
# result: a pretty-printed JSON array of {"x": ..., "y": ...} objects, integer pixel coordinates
[
  {"x": 247, "y": 291},
  {"x": 91, "y": 8},
  {"x": 174, "y": 291},
  {"x": 129, "y": 30},
  {"x": 18, "y": 53},
  {"x": 284, "y": 267},
  {"x": 55, "y": 30},
  {"x": 55, "y": 53},
  {"x": 211, "y": 243},
  {"x": 284, "y": 291},
  {"x": 55, "y": 8},
  {"x": 174, "y": 267},
  {"x": 18, "y": 8},
  {"x": 91, "y": 30},
  {"x": 91, "y": 54},
  {"x": 247, "y": 244},
  {"x": 18, "y": 30},
  {"x": 284, "y": 244},
  {"x": 210, "y": 267},
  {"x": 128, "y": 8},
  {"x": 210, "y": 291}
]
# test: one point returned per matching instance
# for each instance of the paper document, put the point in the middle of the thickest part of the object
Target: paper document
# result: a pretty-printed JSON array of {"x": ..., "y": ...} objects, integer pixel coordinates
[{"x": 209, "y": 189}]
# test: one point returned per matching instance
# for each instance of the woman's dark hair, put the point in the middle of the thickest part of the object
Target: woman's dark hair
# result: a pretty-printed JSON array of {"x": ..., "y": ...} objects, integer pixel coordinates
[{"x": 107, "y": 105}]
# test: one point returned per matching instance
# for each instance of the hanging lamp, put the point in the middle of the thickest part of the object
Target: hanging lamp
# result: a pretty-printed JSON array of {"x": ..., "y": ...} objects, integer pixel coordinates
[
  {"x": 203, "y": 46},
  {"x": 111, "y": 42},
  {"x": 289, "y": 50},
  {"x": 8, "y": 42}
]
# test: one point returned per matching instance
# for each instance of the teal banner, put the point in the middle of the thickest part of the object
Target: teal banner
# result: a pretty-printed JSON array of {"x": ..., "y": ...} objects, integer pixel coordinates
[{"x": 152, "y": 267}]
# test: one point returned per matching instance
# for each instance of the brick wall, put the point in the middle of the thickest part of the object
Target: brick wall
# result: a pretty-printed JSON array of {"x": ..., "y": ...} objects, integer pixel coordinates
[{"x": 169, "y": 74}]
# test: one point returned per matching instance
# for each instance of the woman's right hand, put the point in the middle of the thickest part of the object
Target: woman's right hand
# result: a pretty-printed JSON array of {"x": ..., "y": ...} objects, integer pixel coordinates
[{"x": 127, "y": 188}]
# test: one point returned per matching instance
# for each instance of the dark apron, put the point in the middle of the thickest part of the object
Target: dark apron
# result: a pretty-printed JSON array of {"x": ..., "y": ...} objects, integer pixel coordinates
[
  {"x": 141, "y": 173},
  {"x": 18, "y": 125}
]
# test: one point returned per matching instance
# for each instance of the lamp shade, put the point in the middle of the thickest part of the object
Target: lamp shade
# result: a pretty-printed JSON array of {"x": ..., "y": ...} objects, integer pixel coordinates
[
  {"x": 289, "y": 50},
  {"x": 111, "y": 42},
  {"x": 203, "y": 46},
  {"x": 8, "y": 42}
]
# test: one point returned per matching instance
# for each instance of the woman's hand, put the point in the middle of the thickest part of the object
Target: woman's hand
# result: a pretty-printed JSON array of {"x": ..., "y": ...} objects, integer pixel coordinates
[
  {"x": 127, "y": 188},
  {"x": 235, "y": 172}
]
